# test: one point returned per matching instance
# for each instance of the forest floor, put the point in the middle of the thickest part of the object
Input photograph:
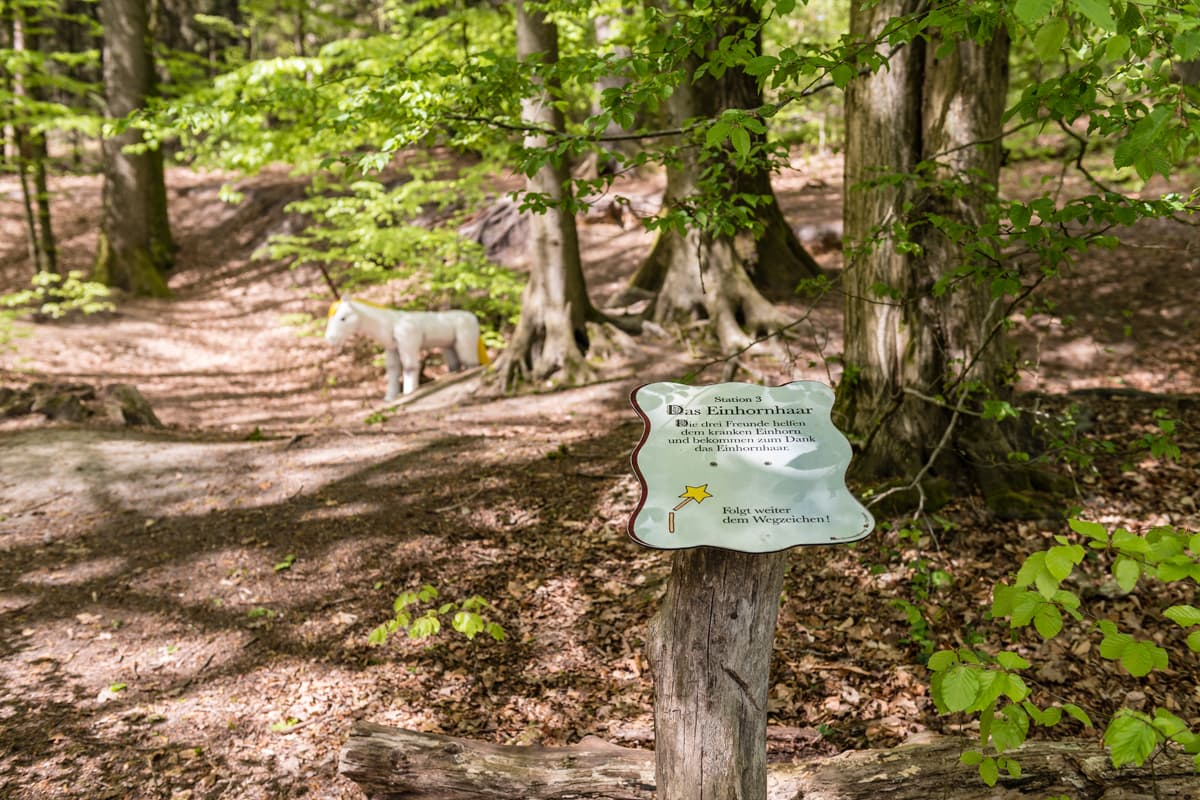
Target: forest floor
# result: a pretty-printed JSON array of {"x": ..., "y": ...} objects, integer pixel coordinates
[{"x": 184, "y": 611}]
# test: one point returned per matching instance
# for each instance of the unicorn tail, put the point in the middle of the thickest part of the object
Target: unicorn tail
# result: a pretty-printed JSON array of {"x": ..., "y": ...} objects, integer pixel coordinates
[{"x": 483, "y": 353}]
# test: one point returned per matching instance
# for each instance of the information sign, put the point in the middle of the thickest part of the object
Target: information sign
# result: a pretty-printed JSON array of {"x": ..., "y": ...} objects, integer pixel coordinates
[{"x": 743, "y": 467}]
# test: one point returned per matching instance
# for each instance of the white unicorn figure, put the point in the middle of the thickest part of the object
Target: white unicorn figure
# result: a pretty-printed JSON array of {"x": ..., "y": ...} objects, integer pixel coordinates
[{"x": 405, "y": 334}]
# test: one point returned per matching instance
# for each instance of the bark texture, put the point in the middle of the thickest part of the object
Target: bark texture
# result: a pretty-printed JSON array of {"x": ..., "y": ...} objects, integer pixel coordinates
[
  {"x": 394, "y": 764},
  {"x": 722, "y": 279},
  {"x": 551, "y": 337},
  {"x": 939, "y": 108},
  {"x": 135, "y": 248},
  {"x": 710, "y": 649}
]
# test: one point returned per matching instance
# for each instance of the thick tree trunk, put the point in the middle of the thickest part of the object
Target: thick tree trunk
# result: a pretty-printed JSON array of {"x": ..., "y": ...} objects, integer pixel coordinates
[
  {"x": 551, "y": 337},
  {"x": 394, "y": 764},
  {"x": 135, "y": 243},
  {"x": 710, "y": 650},
  {"x": 909, "y": 345},
  {"x": 889, "y": 345},
  {"x": 698, "y": 276}
]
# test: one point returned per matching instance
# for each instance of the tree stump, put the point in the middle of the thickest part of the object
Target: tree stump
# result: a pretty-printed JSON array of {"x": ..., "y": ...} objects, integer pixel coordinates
[{"x": 117, "y": 403}]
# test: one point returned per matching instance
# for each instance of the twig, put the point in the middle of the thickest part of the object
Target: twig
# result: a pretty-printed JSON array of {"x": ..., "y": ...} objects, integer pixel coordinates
[
  {"x": 39, "y": 505},
  {"x": 915, "y": 483},
  {"x": 462, "y": 502}
]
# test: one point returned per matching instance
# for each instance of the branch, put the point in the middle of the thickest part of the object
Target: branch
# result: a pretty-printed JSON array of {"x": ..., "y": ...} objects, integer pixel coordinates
[{"x": 915, "y": 483}]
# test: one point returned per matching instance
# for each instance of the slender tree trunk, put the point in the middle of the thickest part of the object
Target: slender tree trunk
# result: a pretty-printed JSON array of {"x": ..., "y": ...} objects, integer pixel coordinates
[
  {"x": 942, "y": 106},
  {"x": 48, "y": 245},
  {"x": 695, "y": 275},
  {"x": 710, "y": 649},
  {"x": 551, "y": 336},
  {"x": 135, "y": 246},
  {"x": 30, "y": 155}
]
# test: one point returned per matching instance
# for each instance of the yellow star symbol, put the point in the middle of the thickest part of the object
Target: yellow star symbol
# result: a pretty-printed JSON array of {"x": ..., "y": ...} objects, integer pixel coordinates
[{"x": 698, "y": 493}]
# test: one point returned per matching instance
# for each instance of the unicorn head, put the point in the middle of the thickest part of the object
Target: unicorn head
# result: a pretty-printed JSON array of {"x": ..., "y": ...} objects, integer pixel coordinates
[{"x": 343, "y": 322}]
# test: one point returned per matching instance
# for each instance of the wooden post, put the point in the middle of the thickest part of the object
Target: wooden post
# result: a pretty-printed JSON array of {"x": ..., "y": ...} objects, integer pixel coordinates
[
  {"x": 762, "y": 470},
  {"x": 710, "y": 649}
]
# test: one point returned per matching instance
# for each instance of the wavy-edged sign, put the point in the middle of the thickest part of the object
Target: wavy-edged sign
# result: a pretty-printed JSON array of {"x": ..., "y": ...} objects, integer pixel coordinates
[{"x": 743, "y": 467}]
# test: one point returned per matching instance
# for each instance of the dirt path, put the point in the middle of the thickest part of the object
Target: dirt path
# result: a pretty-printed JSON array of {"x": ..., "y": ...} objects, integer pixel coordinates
[{"x": 185, "y": 612}]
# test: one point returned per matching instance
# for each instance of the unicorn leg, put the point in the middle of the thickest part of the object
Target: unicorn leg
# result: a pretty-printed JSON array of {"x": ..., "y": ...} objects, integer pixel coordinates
[
  {"x": 392, "y": 359},
  {"x": 452, "y": 362},
  {"x": 410, "y": 362},
  {"x": 412, "y": 376}
]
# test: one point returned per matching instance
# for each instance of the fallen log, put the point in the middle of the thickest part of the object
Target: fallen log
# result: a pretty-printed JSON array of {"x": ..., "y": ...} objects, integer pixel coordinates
[{"x": 394, "y": 764}]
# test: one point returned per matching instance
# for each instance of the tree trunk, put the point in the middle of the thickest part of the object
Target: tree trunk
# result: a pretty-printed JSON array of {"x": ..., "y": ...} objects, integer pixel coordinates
[
  {"x": 907, "y": 345},
  {"x": 134, "y": 251},
  {"x": 710, "y": 650},
  {"x": 393, "y": 764},
  {"x": 551, "y": 337},
  {"x": 696, "y": 275},
  {"x": 30, "y": 150},
  {"x": 47, "y": 244}
]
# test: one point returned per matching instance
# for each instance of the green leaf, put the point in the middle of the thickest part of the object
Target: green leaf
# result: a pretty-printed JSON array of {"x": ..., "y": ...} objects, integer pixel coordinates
[
  {"x": 941, "y": 659},
  {"x": 1187, "y": 44},
  {"x": 1098, "y": 12},
  {"x": 1186, "y": 616},
  {"x": 378, "y": 636},
  {"x": 1048, "y": 41},
  {"x": 842, "y": 74},
  {"x": 1142, "y": 658},
  {"x": 424, "y": 627},
  {"x": 1078, "y": 714},
  {"x": 1137, "y": 660},
  {"x": 1011, "y": 661},
  {"x": 971, "y": 757},
  {"x": 1031, "y": 568},
  {"x": 1061, "y": 560},
  {"x": 1113, "y": 645},
  {"x": 1030, "y": 11},
  {"x": 1047, "y": 584},
  {"x": 468, "y": 623},
  {"x": 740, "y": 140},
  {"x": 989, "y": 771},
  {"x": 1129, "y": 543},
  {"x": 1193, "y": 641},
  {"x": 1048, "y": 621},
  {"x": 1126, "y": 571},
  {"x": 1117, "y": 48},
  {"x": 1092, "y": 530},
  {"x": 1130, "y": 738},
  {"x": 1025, "y": 607},
  {"x": 959, "y": 687},
  {"x": 760, "y": 65},
  {"x": 1016, "y": 690},
  {"x": 1171, "y": 726},
  {"x": 1175, "y": 570},
  {"x": 716, "y": 134}
]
